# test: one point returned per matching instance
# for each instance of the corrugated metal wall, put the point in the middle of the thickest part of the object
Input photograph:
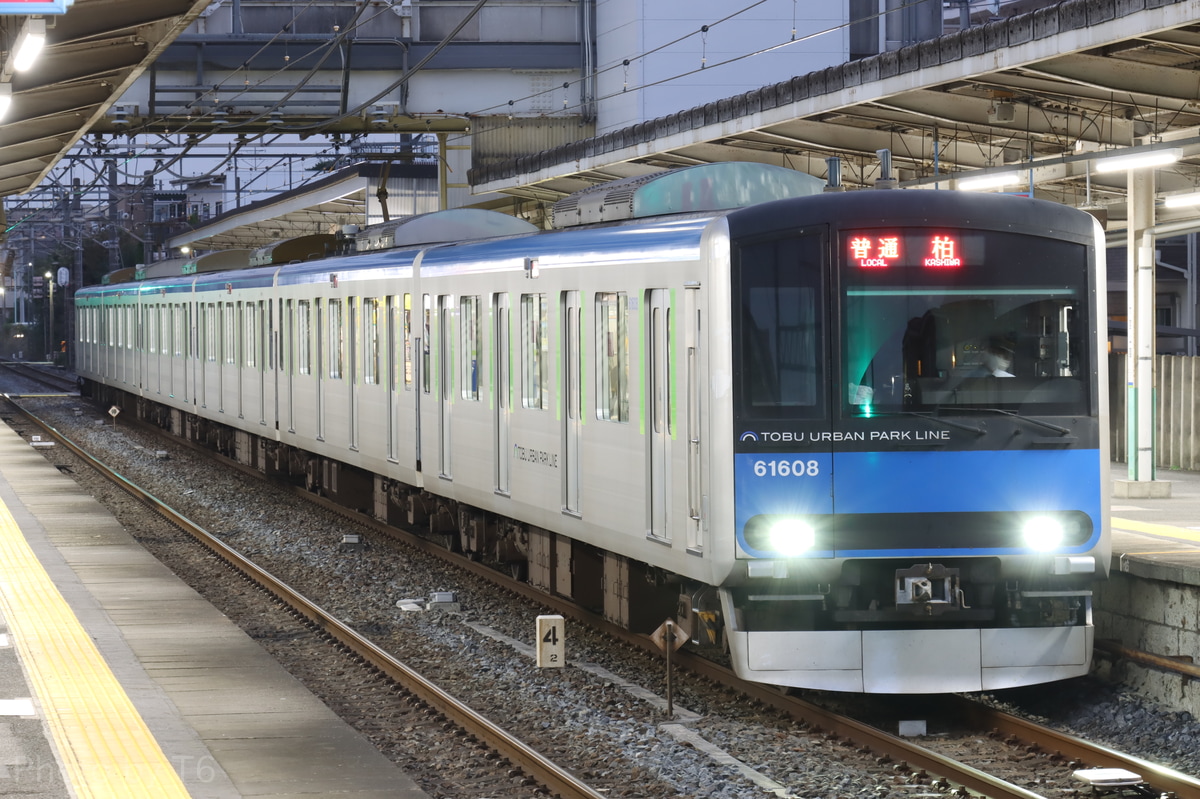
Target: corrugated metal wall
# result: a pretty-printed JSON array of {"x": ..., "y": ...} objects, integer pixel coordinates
[
  {"x": 499, "y": 140},
  {"x": 1177, "y": 445}
]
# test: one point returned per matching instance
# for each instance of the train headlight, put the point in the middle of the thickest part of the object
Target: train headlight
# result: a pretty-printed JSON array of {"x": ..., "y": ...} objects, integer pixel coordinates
[
  {"x": 1043, "y": 533},
  {"x": 791, "y": 537}
]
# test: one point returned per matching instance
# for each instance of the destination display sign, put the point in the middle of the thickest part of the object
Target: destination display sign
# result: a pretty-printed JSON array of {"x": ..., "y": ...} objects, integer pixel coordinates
[{"x": 882, "y": 250}]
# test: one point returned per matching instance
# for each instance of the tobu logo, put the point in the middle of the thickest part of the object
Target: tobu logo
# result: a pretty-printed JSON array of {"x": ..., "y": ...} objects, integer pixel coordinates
[{"x": 748, "y": 436}]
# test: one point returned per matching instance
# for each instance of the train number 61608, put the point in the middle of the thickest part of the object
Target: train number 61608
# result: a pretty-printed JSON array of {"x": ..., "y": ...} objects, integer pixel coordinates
[{"x": 784, "y": 468}]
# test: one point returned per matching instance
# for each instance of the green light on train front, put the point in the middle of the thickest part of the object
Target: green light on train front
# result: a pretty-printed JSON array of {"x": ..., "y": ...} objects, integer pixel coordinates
[
  {"x": 1043, "y": 533},
  {"x": 791, "y": 537}
]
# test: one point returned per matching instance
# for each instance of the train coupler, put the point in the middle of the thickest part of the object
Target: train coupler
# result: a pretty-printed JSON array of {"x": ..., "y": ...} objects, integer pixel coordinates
[{"x": 928, "y": 589}]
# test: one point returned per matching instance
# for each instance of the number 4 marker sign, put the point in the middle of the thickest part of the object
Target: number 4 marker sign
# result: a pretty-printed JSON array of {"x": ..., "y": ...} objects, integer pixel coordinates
[{"x": 551, "y": 642}]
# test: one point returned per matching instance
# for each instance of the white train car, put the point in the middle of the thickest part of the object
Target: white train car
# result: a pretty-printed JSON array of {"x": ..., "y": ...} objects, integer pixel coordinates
[{"x": 765, "y": 423}]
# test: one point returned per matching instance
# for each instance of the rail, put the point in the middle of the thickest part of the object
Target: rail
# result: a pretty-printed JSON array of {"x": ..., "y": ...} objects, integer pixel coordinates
[
  {"x": 553, "y": 777},
  {"x": 881, "y": 743}
]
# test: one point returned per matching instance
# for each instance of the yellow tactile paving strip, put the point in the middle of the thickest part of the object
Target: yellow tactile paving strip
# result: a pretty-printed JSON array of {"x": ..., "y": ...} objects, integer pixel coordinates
[
  {"x": 106, "y": 748},
  {"x": 1164, "y": 530}
]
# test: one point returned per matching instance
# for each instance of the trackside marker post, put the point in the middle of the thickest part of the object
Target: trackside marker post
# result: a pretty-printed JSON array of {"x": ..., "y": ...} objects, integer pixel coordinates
[
  {"x": 669, "y": 637},
  {"x": 551, "y": 642}
]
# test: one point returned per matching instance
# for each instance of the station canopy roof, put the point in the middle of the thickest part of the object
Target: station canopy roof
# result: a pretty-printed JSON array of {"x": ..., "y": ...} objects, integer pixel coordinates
[
  {"x": 93, "y": 54},
  {"x": 1044, "y": 95}
]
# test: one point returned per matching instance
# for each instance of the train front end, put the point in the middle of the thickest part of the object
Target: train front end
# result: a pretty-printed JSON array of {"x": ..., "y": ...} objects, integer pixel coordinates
[{"x": 919, "y": 457}]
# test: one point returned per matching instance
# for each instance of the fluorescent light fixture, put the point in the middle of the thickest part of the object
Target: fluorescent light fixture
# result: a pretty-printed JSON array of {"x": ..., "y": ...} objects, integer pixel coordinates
[
  {"x": 1139, "y": 160},
  {"x": 989, "y": 181},
  {"x": 5, "y": 98},
  {"x": 29, "y": 43},
  {"x": 1180, "y": 200}
]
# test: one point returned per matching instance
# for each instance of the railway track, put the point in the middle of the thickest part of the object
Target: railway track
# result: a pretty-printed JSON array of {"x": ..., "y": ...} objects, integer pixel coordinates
[
  {"x": 53, "y": 380},
  {"x": 908, "y": 760},
  {"x": 474, "y": 726}
]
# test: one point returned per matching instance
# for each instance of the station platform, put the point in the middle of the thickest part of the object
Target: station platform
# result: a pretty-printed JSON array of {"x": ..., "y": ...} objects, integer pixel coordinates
[
  {"x": 1159, "y": 538},
  {"x": 117, "y": 680}
]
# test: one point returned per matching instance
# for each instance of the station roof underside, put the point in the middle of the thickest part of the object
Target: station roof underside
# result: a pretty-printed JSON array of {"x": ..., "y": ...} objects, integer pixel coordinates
[
  {"x": 1045, "y": 93},
  {"x": 93, "y": 54}
]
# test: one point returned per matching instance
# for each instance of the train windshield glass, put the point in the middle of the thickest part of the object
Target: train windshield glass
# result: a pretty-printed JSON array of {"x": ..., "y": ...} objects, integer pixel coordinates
[
  {"x": 937, "y": 319},
  {"x": 778, "y": 306}
]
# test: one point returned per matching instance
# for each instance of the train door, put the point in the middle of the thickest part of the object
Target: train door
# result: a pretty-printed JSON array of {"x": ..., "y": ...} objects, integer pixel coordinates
[
  {"x": 391, "y": 331},
  {"x": 351, "y": 376},
  {"x": 166, "y": 351},
  {"x": 242, "y": 330},
  {"x": 179, "y": 332},
  {"x": 320, "y": 381},
  {"x": 695, "y": 482},
  {"x": 500, "y": 368},
  {"x": 445, "y": 371},
  {"x": 572, "y": 395},
  {"x": 423, "y": 385},
  {"x": 275, "y": 357},
  {"x": 156, "y": 364},
  {"x": 658, "y": 389},
  {"x": 203, "y": 352},
  {"x": 195, "y": 362},
  {"x": 148, "y": 359},
  {"x": 137, "y": 342},
  {"x": 288, "y": 360},
  {"x": 168, "y": 346},
  {"x": 263, "y": 344},
  {"x": 174, "y": 349},
  {"x": 223, "y": 356}
]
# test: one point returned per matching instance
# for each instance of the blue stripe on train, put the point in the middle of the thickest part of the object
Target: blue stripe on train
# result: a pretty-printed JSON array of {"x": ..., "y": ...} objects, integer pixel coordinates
[{"x": 918, "y": 482}]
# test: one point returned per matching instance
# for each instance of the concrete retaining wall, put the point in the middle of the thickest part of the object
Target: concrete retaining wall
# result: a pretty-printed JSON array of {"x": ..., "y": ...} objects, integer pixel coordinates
[{"x": 1156, "y": 610}]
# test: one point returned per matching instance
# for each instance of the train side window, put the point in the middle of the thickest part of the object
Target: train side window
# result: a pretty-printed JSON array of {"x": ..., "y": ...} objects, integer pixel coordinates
[
  {"x": 304, "y": 337},
  {"x": 535, "y": 352},
  {"x": 472, "y": 346},
  {"x": 287, "y": 330},
  {"x": 250, "y": 336},
  {"x": 427, "y": 326},
  {"x": 388, "y": 341},
  {"x": 337, "y": 340},
  {"x": 446, "y": 345},
  {"x": 210, "y": 332},
  {"x": 612, "y": 357},
  {"x": 267, "y": 316},
  {"x": 370, "y": 313},
  {"x": 230, "y": 328},
  {"x": 406, "y": 329}
]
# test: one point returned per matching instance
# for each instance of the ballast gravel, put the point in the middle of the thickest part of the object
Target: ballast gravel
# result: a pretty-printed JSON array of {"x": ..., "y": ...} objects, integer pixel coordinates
[{"x": 595, "y": 726}]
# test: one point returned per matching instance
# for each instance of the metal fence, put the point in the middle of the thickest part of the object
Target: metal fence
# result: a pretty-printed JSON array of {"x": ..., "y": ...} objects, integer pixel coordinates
[{"x": 1177, "y": 379}]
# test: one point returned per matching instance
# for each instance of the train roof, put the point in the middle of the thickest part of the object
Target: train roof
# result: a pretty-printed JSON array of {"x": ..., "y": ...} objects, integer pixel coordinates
[
  {"x": 439, "y": 227},
  {"x": 701, "y": 188},
  {"x": 916, "y": 207}
]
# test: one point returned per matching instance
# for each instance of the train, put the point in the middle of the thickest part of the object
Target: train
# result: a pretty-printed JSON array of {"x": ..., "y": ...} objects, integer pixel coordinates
[{"x": 852, "y": 440}]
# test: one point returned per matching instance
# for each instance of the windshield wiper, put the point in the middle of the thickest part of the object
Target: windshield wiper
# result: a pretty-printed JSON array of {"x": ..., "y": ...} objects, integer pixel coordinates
[
  {"x": 970, "y": 428},
  {"x": 1062, "y": 431}
]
